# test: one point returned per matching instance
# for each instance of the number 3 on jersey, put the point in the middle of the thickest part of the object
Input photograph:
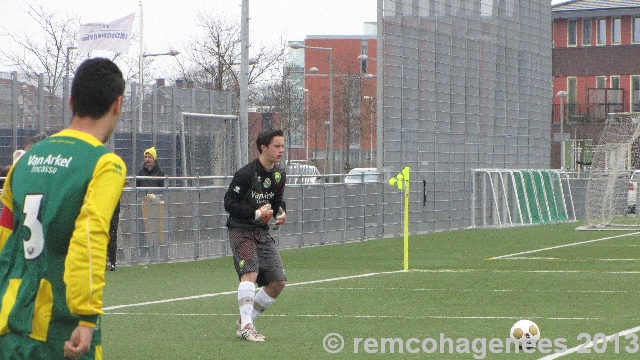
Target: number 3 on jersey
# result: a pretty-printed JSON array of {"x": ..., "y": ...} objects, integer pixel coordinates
[{"x": 33, "y": 245}]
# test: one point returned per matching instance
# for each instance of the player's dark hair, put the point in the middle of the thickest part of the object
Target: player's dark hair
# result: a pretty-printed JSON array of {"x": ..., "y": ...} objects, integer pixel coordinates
[
  {"x": 266, "y": 136},
  {"x": 96, "y": 85}
]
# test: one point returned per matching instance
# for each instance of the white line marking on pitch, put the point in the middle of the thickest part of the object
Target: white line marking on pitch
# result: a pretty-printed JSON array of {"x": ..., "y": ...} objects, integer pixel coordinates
[
  {"x": 562, "y": 246},
  {"x": 413, "y": 317},
  {"x": 235, "y": 291},
  {"x": 115, "y": 307},
  {"x": 590, "y": 344}
]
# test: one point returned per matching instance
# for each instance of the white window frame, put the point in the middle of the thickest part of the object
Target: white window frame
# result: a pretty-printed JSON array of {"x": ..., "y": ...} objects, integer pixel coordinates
[
  {"x": 616, "y": 31},
  {"x": 601, "y": 31}
]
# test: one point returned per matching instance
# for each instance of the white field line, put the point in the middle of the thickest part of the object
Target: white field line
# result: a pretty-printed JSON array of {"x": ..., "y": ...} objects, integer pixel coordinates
[
  {"x": 115, "y": 307},
  {"x": 235, "y": 291},
  {"x": 360, "y": 316},
  {"x": 563, "y": 246},
  {"x": 590, "y": 344}
]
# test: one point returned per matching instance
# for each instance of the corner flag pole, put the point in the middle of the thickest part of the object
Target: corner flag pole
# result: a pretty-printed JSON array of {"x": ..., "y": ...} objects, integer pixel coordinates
[{"x": 402, "y": 178}]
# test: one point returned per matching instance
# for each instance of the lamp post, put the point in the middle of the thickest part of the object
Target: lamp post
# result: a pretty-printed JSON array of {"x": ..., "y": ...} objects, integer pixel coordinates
[
  {"x": 306, "y": 123},
  {"x": 295, "y": 45},
  {"x": 370, "y": 98},
  {"x": 170, "y": 53},
  {"x": 378, "y": 76},
  {"x": 140, "y": 98},
  {"x": 562, "y": 95},
  {"x": 326, "y": 144},
  {"x": 65, "y": 88}
]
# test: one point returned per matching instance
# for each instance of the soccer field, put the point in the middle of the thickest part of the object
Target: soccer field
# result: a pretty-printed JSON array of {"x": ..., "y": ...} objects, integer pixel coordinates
[{"x": 463, "y": 287}]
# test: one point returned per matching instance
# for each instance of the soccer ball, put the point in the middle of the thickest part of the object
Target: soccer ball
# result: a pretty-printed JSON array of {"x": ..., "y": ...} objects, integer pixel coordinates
[{"x": 525, "y": 333}]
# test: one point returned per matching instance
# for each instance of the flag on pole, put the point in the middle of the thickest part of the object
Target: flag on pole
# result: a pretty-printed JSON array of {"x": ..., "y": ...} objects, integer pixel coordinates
[
  {"x": 399, "y": 179},
  {"x": 114, "y": 36}
]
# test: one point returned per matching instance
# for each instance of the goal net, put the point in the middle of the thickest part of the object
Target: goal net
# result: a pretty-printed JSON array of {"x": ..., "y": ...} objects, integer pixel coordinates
[
  {"x": 210, "y": 144},
  {"x": 503, "y": 197},
  {"x": 608, "y": 199}
]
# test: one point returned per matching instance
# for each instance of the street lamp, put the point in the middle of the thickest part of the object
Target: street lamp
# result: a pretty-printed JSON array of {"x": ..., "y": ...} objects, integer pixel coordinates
[
  {"x": 295, "y": 46},
  {"x": 170, "y": 53},
  {"x": 370, "y": 98},
  {"x": 326, "y": 144},
  {"x": 306, "y": 122},
  {"x": 140, "y": 98},
  {"x": 379, "y": 126},
  {"x": 562, "y": 95}
]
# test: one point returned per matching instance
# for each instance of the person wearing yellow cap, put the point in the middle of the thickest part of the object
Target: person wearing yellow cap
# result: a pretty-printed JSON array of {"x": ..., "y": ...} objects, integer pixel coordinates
[{"x": 150, "y": 167}]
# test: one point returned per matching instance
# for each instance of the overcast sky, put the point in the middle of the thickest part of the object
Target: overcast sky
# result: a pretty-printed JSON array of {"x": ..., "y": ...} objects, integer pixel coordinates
[{"x": 168, "y": 24}]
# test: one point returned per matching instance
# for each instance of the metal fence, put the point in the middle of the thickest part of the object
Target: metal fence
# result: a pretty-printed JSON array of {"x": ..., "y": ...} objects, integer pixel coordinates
[
  {"x": 188, "y": 223},
  {"x": 26, "y": 109}
]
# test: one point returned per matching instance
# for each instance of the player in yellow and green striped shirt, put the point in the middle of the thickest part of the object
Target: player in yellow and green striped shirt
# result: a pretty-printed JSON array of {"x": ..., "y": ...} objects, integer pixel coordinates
[{"x": 54, "y": 228}]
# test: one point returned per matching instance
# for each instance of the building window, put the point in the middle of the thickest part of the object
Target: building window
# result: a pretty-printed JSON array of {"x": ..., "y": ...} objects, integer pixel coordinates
[
  {"x": 616, "y": 30},
  {"x": 635, "y": 93},
  {"x": 572, "y": 33},
  {"x": 586, "y": 32},
  {"x": 364, "y": 50},
  {"x": 602, "y": 32},
  {"x": 601, "y": 82},
  {"x": 571, "y": 96},
  {"x": 636, "y": 30},
  {"x": 615, "y": 82}
]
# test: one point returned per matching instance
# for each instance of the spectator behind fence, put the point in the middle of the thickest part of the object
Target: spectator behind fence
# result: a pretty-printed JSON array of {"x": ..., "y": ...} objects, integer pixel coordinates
[
  {"x": 150, "y": 167},
  {"x": 112, "y": 248},
  {"x": 4, "y": 171}
]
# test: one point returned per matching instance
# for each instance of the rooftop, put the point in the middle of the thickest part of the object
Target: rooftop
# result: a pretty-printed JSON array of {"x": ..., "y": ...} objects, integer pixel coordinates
[{"x": 591, "y": 8}]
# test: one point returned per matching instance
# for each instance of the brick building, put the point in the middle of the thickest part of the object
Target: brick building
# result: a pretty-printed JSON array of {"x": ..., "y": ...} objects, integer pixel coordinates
[
  {"x": 354, "y": 90},
  {"x": 596, "y": 47}
]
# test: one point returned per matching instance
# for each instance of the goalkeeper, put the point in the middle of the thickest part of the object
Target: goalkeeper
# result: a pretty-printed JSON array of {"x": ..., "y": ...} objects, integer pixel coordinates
[{"x": 253, "y": 198}]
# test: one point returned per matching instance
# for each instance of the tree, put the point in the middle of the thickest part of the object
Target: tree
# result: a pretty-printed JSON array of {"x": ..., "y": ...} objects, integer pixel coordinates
[
  {"x": 45, "y": 50},
  {"x": 213, "y": 58},
  {"x": 284, "y": 95},
  {"x": 44, "y": 54}
]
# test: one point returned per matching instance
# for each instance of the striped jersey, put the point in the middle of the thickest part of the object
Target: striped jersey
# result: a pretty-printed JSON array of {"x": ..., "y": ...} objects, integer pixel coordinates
[{"x": 62, "y": 193}]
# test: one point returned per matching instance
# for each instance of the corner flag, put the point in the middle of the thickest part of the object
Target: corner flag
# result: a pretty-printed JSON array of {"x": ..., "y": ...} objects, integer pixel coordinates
[
  {"x": 114, "y": 36},
  {"x": 402, "y": 180}
]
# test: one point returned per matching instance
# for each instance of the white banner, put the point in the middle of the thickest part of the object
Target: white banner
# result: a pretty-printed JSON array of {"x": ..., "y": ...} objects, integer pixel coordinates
[{"x": 114, "y": 36}]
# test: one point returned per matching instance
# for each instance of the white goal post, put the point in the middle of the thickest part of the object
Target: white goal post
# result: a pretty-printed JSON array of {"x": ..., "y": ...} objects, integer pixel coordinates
[
  {"x": 209, "y": 144},
  {"x": 614, "y": 157},
  {"x": 509, "y": 197}
]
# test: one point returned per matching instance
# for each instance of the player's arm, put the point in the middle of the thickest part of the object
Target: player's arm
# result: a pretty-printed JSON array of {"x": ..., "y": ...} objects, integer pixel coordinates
[
  {"x": 85, "y": 262},
  {"x": 6, "y": 217},
  {"x": 234, "y": 198}
]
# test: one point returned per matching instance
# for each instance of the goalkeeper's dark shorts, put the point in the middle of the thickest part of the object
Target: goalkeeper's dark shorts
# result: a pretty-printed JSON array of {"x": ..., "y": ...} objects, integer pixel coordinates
[{"x": 254, "y": 250}]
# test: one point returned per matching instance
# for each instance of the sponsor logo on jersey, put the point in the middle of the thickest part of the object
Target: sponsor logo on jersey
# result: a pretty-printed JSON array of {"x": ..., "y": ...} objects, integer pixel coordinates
[{"x": 267, "y": 183}]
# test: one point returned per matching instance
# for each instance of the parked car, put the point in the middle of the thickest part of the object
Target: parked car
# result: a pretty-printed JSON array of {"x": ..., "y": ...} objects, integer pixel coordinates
[
  {"x": 358, "y": 175},
  {"x": 302, "y": 174}
]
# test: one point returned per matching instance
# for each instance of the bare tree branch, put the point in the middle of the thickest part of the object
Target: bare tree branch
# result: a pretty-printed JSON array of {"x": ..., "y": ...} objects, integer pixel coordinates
[{"x": 44, "y": 54}]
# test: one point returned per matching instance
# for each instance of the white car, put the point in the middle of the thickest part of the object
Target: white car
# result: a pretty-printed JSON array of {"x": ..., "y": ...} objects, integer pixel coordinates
[
  {"x": 358, "y": 175},
  {"x": 302, "y": 174}
]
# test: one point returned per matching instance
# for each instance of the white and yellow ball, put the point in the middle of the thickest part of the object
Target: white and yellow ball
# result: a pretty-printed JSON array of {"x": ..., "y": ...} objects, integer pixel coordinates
[{"x": 525, "y": 332}]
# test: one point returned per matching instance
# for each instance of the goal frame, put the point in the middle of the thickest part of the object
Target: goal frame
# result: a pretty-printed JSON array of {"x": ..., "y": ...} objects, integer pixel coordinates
[{"x": 183, "y": 146}]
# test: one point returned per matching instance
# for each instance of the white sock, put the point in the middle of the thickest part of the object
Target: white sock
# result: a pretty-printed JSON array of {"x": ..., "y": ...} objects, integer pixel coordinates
[
  {"x": 261, "y": 302},
  {"x": 246, "y": 295}
]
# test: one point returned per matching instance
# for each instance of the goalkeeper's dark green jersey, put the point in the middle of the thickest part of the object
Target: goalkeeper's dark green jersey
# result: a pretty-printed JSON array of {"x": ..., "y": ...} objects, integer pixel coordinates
[{"x": 62, "y": 194}]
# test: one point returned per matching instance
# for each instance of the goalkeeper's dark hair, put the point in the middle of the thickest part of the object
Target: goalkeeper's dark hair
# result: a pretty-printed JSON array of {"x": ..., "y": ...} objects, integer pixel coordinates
[
  {"x": 266, "y": 136},
  {"x": 97, "y": 83}
]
